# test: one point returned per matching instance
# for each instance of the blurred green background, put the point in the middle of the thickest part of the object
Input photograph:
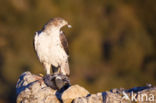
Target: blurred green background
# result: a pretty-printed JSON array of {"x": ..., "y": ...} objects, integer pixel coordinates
[{"x": 112, "y": 42}]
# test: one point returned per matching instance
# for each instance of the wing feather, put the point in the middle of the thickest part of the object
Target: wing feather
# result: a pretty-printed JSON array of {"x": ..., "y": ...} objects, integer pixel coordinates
[{"x": 64, "y": 42}]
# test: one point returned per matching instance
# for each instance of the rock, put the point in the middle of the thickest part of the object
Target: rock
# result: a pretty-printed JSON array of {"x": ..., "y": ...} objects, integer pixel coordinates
[
  {"x": 73, "y": 92},
  {"x": 137, "y": 95},
  {"x": 32, "y": 89},
  {"x": 93, "y": 98}
]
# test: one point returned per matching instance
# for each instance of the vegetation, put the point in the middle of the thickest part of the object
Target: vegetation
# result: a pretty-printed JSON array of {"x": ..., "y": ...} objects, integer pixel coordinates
[{"x": 112, "y": 43}]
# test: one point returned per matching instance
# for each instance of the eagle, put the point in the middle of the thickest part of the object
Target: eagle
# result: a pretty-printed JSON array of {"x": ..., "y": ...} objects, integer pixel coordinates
[{"x": 51, "y": 47}]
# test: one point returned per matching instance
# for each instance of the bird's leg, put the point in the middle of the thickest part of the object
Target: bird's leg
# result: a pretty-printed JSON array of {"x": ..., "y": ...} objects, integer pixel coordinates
[
  {"x": 59, "y": 69},
  {"x": 47, "y": 68},
  {"x": 65, "y": 68}
]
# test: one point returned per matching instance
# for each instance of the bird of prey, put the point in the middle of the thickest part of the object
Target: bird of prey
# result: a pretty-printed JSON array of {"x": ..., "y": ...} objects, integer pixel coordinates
[{"x": 51, "y": 47}]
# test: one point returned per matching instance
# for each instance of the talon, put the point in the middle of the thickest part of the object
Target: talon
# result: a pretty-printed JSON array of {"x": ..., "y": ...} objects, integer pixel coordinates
[{"x": 41, "y": 75}]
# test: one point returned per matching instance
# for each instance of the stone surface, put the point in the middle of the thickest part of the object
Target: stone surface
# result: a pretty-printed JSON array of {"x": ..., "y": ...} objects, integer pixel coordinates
[
  {"x": 31, "y": 88},
  {"x": 72, "y": 92},
  {"x": 121, "y": 96}
]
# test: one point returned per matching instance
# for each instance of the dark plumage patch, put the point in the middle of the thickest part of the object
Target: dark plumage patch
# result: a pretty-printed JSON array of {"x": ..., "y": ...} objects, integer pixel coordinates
[
  {"x": 54, "y": 21},
  {"x": 50, "y": 81},
  {"x": 57, "y": 81},
  {"x": 64, "y": 42}
]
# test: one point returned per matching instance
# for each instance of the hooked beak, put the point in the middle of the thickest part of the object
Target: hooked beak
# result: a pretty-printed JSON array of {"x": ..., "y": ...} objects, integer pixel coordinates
[{"x": 69, "y": 26}]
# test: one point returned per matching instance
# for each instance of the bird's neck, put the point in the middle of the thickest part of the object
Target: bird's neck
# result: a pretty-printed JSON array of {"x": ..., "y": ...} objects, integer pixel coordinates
[{"x": 53, "y": 31}]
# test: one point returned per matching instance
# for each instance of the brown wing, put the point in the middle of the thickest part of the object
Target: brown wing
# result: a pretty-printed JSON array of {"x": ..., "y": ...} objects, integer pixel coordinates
[{"x": 64, "y": 42}]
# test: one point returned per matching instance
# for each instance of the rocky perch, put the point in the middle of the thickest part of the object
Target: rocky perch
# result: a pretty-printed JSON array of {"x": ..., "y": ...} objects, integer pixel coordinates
[{"x": 31, "y": 88}]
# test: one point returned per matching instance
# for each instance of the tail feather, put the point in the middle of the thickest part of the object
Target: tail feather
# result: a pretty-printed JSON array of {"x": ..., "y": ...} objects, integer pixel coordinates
[{"x": 65, "y": 68}]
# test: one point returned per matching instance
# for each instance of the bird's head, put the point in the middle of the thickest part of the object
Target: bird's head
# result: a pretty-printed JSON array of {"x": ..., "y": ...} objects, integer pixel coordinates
[{"x": 56, "y": 23}]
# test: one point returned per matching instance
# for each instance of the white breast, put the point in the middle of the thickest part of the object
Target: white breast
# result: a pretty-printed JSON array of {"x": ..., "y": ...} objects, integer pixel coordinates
[{"x": 48, "y": 49}]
